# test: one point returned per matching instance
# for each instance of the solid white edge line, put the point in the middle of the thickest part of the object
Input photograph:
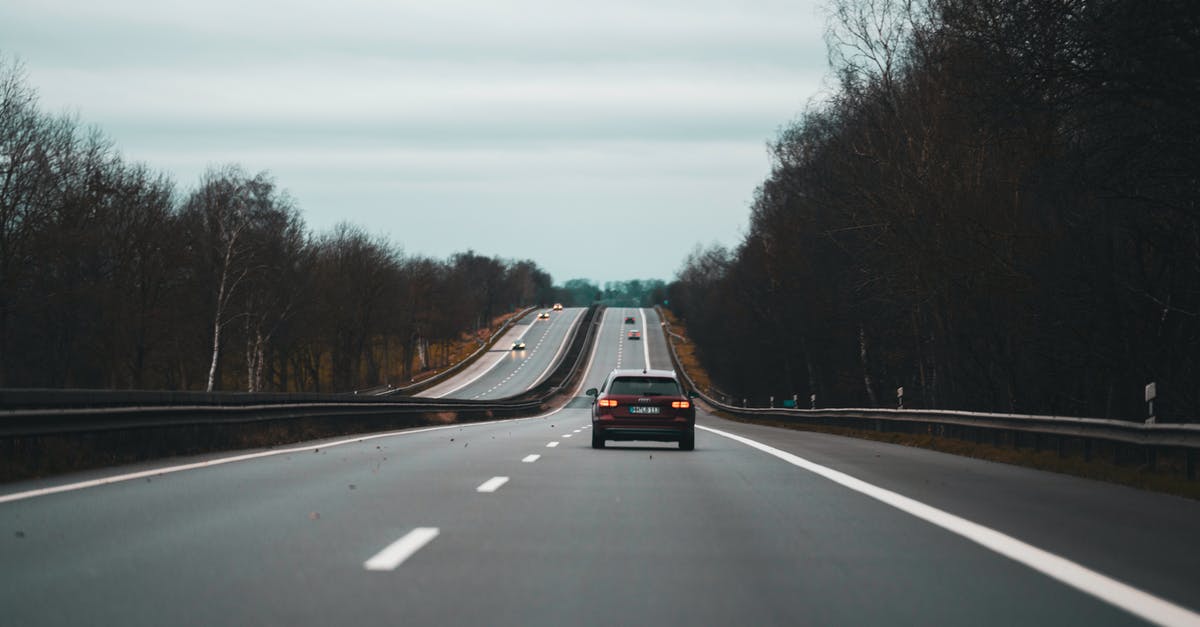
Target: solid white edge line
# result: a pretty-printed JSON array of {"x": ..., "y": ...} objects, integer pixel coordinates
[
  {"x": 395, "y": 553},
  {"x": 166, "y": 470},
  {"x": 1102, "y": 587},
  {"x": 529, "y": 459},
  {"x": 645, "y": 339},
  {"x": 491, "y": 485}
]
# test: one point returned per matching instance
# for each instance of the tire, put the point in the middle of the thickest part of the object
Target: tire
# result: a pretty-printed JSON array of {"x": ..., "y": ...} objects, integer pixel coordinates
[
  {"x": 597, "y": 439},
  {"x": 688, "y": 442}
]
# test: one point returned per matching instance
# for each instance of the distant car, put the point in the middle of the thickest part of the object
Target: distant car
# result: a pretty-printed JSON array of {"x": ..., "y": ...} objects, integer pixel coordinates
[
  {"x": 629, "y": 320},
  {"x": 545, "y": 315},
  {"x": 643, "y": 405},
  {"x": 557, "y": 306},
  {"x": 635, "y": 335},
  {"x": 518, "y": 345}
]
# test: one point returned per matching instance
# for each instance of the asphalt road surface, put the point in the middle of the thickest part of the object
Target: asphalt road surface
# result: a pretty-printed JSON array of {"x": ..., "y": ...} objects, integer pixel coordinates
[
  {"x": 502, "y": 371},
  {"x": 521, "y": 522}
]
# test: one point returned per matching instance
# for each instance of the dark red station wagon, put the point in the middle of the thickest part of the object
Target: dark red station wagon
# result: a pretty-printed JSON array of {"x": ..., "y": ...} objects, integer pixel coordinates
[{"x": 643, "y": 405}]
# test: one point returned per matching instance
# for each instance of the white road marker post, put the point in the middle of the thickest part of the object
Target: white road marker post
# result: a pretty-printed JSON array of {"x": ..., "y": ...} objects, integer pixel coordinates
[{"x": 1151, "y": 394}]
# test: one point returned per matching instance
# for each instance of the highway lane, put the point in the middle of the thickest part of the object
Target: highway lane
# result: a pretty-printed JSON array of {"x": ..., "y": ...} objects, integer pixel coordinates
[
  {"x": 640, "y": 532},
  {"x": 503, "y": 372}
]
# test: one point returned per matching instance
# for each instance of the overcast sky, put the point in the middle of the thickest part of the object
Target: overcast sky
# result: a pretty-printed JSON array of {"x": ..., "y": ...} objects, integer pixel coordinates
[{"x": 603, "y": 140}]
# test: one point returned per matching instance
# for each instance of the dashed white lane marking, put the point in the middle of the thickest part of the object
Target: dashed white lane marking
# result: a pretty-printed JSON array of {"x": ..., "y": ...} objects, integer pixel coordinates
[
  {"x": 491, "y": 485},
  {"x": 529, "y": 459},
  {"x": 552, "y": 444},
  {"x": 577, "y": 431},
  {"x": 400, "y": 550},
  {"x": 566, "y": 435},
  {"x": 1104, "y": 588}
]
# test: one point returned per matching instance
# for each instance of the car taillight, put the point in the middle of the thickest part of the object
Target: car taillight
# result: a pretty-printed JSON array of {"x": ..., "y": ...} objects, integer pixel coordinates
[
  {"x": 681, "y": 404},
  {"x": 608, "y": 402}
]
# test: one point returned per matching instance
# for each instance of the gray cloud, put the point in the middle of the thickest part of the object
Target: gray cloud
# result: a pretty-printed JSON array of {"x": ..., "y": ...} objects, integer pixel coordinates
[{"x": 516, "y": 129}]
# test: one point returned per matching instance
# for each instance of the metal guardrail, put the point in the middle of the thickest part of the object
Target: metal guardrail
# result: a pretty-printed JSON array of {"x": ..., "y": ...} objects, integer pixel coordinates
[
  {"x": 973, "y": 425},
  {"x": 26, "y": 413},
  {"x": 91, "y": 400},
  {"x": 437, "y": 378}
]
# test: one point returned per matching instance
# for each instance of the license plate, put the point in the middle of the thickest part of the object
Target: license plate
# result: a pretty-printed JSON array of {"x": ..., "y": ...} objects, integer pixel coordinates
[{"x": 634, "y": 409}]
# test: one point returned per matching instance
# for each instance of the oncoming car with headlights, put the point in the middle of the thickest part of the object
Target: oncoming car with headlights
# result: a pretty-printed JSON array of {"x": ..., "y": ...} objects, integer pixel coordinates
[{"x": 643, "y": 405}]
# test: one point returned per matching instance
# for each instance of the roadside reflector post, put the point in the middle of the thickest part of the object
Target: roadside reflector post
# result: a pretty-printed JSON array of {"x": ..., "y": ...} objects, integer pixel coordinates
[
  {"x": 1151, "y": 394},
  {"x": 900, "y": 397},
  {"x": 812, "y": 400},
  {"x": 743, "y": 402},
  {"x": 795, "y": 401},
  {"x": 771, "y": 403}
]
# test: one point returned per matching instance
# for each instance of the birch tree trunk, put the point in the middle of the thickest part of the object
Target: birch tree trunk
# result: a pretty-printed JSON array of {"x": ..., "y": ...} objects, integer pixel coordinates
[{"x": 223, "y": 292}]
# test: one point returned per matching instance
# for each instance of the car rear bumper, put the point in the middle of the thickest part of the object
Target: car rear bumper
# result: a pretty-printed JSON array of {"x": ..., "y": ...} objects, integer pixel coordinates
[{"x": 652, "y": 433}]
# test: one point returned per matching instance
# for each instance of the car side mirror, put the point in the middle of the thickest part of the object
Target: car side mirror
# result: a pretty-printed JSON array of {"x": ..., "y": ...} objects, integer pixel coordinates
[{"x": 592, "y": 392}]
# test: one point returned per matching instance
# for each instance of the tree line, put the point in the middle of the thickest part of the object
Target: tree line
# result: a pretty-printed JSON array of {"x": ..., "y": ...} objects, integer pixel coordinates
[
  {"x": 109, "y": 278},
  {"x": 995, "y": 209},
  {"x": 631, "y": 293}
]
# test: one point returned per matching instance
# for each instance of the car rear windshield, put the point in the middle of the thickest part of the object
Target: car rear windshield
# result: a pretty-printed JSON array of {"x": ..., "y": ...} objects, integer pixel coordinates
[{"x": 645, "y": 386}]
